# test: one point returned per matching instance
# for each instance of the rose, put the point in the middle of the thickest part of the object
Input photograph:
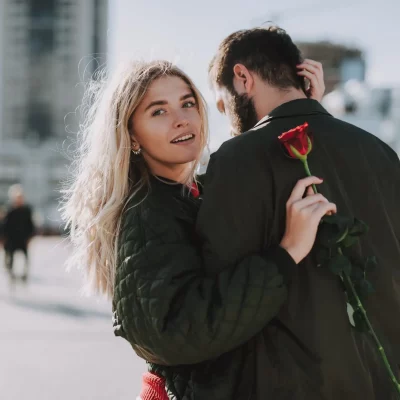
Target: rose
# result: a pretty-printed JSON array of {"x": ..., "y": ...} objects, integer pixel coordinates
[{"x": 297, "y": 142}]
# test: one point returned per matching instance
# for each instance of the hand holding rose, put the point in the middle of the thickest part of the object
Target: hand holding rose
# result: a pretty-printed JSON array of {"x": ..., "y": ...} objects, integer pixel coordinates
[{"x": 303, "y": 216}]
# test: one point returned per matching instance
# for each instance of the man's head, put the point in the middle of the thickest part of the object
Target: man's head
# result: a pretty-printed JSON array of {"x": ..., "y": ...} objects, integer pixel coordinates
[{"x": 253, "y": 72}]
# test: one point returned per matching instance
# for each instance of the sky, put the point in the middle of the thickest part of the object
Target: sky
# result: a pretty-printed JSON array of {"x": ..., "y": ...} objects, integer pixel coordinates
[{"x": 188, "y": 33}]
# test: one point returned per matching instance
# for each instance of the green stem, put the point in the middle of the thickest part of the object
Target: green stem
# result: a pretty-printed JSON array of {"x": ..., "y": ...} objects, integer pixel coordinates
[
  {"x": 361, "y": 307},
  {"x": 308, "y": 172},
  {"x": 372, "y": 332}
]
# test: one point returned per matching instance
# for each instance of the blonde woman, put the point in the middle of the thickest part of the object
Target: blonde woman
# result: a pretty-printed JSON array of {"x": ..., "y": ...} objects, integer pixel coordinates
[{"x": 132, "y": 207}]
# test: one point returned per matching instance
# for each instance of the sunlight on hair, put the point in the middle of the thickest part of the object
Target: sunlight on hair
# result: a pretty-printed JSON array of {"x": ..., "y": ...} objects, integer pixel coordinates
[{"x": 104, "y": 176}]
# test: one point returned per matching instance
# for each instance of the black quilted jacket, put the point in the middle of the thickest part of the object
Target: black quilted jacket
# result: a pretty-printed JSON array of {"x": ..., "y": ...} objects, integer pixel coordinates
[{"x": 171, "y": 312}]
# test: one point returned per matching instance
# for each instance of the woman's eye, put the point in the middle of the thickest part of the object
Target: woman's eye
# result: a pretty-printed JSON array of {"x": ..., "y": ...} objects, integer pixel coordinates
[
  {"x": 158, "y": 112},
  {"x": 189, "y": 104}
]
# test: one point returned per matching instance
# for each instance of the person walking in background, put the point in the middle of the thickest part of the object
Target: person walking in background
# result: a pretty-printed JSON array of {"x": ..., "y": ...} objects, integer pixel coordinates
[
  {"x": 3, "y": 212},
  {"x": 18, "y": 229}
]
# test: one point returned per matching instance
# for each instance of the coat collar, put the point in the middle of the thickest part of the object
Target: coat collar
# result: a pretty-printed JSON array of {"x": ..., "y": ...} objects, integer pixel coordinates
[
  {"x": 174, "y": 187},
  {"x": 174, "y": 199},
  {"x": 294, "y": 108}
]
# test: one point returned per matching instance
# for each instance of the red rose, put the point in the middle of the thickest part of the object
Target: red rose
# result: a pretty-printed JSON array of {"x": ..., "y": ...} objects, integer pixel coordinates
[{"x": 297, "y": 141}]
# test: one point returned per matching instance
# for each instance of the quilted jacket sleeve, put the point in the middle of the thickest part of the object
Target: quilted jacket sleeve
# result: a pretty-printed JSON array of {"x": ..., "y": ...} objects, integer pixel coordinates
[{"x": 171, "y": 312}]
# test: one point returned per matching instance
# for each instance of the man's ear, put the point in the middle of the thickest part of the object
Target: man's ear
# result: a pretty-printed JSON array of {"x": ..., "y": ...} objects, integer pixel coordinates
[{"x": 243, "y": 80}]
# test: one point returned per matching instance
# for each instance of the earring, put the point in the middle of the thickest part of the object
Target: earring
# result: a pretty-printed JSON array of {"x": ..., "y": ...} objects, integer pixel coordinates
[{"x": 137, "y": 152}]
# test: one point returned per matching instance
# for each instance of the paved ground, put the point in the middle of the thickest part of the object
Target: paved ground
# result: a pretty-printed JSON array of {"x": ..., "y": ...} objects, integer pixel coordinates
[{"x": 56, "y": 344}]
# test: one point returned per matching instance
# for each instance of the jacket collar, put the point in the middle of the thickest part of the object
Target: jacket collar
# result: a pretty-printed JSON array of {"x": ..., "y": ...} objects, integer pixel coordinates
[
  {"x": 174, "y": 199},
  {"x": 294, "y": 108}
]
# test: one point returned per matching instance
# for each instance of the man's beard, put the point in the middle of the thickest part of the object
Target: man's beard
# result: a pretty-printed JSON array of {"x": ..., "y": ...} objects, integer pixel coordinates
[{"x": 243, "y": 113}]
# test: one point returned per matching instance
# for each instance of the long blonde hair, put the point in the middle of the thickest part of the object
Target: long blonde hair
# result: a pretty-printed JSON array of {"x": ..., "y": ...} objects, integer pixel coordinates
[{"x": 105, "y": 174}]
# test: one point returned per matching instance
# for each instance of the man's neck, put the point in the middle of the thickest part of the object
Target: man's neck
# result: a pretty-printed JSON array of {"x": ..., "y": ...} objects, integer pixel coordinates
[{"x": 272, "y": 98}]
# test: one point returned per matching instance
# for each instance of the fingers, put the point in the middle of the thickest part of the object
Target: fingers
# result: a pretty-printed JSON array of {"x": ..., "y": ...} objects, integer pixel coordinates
[
  {"x": 313, "y": 71},
  {"x": 309, "y": 191},
  {"x": 310, "y": 68},
  {"x": 300, "y": 188},
  {"x": 320, "y": 209},
  {"x": 311, "y": 77},
  {"x": 314, "y": 67},
  {"x": 314, "y": 63},
  {"x": 309, "y": 201}
]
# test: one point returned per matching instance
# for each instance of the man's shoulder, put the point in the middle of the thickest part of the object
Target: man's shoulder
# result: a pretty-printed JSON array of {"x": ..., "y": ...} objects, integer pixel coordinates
[
  {"x": 263, "y": 138},
  {"x": 231, "y": 153},
  {"x": 242, "y": 157},
  {"x": 361, "y": 136},
  {"x": 235, "y": 146}
]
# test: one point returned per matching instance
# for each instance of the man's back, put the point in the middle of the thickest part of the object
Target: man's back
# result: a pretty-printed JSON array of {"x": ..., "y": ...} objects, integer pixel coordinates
[{"x": 310, "y": 348}]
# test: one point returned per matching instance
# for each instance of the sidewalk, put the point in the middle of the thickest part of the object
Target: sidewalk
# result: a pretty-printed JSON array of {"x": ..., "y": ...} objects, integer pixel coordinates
[{"x": 56, "y": 344}]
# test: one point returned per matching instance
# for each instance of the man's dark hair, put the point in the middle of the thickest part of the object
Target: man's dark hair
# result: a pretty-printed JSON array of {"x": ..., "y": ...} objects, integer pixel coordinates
[{"x": 269, "y": 52}]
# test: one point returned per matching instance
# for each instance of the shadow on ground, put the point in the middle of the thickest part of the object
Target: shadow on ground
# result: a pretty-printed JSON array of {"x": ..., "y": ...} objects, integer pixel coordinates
[{"x": 59, "y": 308}]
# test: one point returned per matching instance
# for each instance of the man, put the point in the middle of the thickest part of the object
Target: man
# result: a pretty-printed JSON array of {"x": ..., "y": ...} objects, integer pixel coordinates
[
  {"x": 309, "y": 350},
  {"x": 18, "y": 229}
]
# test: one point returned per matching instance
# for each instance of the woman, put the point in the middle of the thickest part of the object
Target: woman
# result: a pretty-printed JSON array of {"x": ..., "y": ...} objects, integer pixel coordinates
[{"x": 132, "y": 208}]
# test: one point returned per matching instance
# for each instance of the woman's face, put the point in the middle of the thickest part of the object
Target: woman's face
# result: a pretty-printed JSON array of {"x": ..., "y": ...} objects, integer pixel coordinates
[{"x": 167, "y": 127}]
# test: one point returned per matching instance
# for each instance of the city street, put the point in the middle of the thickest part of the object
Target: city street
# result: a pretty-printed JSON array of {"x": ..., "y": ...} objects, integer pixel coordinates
[{"x": 56, "y": 344}]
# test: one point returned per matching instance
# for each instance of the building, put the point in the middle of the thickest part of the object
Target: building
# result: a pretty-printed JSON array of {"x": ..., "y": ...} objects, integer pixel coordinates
[
  {"x": 48, "y": 48},
  {"x": 349, "y": 97},
  {"x": 374, "y": 109},
  {"x": 341, "y": 63}
]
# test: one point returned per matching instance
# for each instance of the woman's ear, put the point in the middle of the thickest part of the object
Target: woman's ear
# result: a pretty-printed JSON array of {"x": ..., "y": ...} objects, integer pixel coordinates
[
  {"x": 134, "y": 144},
  {"x": 136, "y": 148},
  {"x": 243, "y": 80}
]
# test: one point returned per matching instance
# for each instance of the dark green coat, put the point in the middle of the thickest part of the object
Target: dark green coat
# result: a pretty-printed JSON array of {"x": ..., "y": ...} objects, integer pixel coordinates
[{"x": 170, "y": 311}]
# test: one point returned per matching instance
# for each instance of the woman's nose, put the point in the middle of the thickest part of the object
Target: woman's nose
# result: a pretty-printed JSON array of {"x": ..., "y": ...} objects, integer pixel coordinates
[{"x": 180, "y": 120}]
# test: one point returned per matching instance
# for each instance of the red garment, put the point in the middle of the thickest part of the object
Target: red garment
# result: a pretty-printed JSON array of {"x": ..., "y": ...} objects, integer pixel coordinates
[
  {"x": 195, "y": 190},
  {"x": 153, "y": 388}
]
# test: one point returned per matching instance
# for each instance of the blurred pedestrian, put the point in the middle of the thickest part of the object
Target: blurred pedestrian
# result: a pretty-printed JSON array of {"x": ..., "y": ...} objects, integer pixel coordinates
[
  {"x": 18, "y": 229},
  {"x": 2, "y": 216}
]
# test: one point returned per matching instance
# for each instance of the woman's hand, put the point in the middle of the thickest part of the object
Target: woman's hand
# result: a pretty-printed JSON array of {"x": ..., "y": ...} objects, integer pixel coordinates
[
  {"x": 303, "y": 215},
  {"x": 313, "y": 71}
]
